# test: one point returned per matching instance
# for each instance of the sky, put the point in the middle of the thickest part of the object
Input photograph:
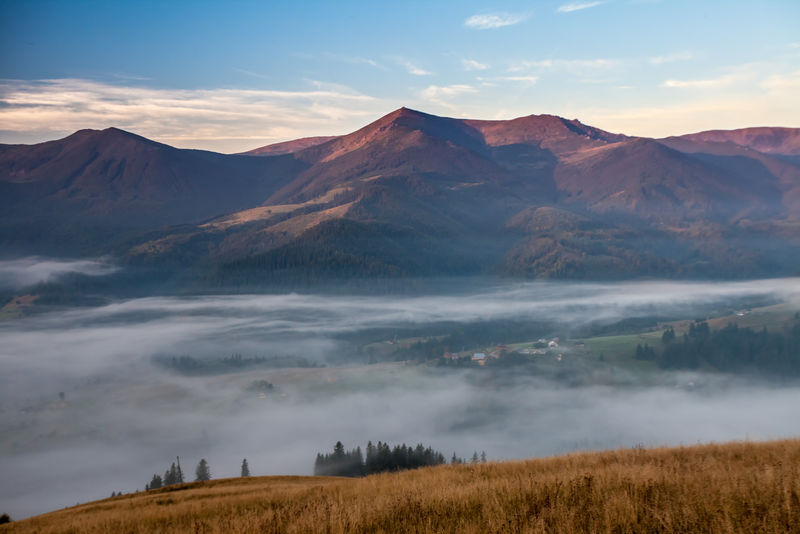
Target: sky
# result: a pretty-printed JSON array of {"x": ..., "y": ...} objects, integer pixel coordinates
[{"x": 232, "y": 76}]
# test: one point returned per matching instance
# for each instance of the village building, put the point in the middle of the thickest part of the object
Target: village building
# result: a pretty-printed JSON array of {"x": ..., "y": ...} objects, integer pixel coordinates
[{"x": 479, "y": 357}]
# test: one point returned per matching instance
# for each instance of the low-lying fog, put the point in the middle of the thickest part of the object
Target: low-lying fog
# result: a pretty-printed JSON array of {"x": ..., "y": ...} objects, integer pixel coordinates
[
  {"x": 22, "y": 272},
  {"x": 123, "y": 417}
]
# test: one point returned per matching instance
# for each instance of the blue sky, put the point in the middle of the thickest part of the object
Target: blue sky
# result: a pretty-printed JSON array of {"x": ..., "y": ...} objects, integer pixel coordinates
[{"x": 231, "y": 76}]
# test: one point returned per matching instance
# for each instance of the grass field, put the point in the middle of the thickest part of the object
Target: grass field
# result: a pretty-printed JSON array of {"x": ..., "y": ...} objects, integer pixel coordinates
[{"x": 736, "y": 487}]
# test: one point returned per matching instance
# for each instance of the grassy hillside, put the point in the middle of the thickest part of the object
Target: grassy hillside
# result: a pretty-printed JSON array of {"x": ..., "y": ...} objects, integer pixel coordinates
[{"x": 737, "y": 487}]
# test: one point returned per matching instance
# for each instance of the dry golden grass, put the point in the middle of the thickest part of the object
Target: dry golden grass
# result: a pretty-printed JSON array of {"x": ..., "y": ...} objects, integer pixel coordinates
[{"x": 737, "y": 487}]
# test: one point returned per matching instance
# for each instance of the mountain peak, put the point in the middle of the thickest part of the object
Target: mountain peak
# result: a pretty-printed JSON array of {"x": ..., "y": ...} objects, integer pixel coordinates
[
  {"x": 107, "y": 135},
  {"x": 551, "y": 132},
  {"x": 405, "y": 114}
]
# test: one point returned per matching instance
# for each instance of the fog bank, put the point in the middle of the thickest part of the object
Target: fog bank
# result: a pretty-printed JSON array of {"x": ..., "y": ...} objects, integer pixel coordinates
[
  {"x": 123, "y": 418},
  {"x": 24, "y": 272}
]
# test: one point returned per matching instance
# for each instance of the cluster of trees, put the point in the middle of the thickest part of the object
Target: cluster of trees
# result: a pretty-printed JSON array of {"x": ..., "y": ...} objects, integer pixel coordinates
[
  {"x": 645, "y": 352},
  {"x": 174, "y": 475},
  {"x": 730, "y": 349},
  {"x": 196, "y": 366},
  {"x": 736, "y": 349},
  {"x": 380, "y": 458}
]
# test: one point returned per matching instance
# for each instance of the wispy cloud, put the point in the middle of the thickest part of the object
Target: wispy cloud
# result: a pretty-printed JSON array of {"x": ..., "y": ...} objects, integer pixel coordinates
[
  {"x": 216, "y": 119},
  {"x": 526, "y": 79},
  {"x": 671, "y": 58},
  {"x": 577, "y": 6},
  {"x": 411, "y": 67},
  {"x": 783, "y": 83},
  {"x": 493, "y": 21},
  {"x": 530, "y": 80},
  {"x": 721, "y": 111},
  {"x": 471, "y": 64},
  {"x": 576, "y": 66},
  {"x": 355, "y": 60},
  {"x": 699, "y": 84},
  {"x": 251, "y": 73},
  {"x": 23, "y": 272},
  {"x": 442, "y": 94},
  {"x": 436, "y": 91}
]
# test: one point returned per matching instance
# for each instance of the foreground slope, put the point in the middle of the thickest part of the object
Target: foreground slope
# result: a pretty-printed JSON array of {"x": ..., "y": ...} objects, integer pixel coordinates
[{"x": 737, "y": 487}]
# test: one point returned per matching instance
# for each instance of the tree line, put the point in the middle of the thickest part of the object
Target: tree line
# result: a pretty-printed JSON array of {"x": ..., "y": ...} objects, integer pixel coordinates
[
  {"x": 380, "y": 458},
  {"x": 174, "y": 475},
  {"x": 729, "y": 349}
]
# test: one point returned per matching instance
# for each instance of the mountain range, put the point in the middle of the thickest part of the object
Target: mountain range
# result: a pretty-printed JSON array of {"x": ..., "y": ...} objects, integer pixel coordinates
[{"x": 414, "y": 194}]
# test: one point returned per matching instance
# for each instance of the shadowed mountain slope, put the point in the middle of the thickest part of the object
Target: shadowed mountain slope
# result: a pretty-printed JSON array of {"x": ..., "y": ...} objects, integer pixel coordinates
[
  {"x": 417, "y": 194},
  {"x": 112, "y": 174},
  {"x": 288, "y": 147}
]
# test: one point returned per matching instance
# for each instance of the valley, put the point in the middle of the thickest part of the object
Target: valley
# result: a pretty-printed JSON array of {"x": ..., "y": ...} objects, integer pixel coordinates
[{"x": 120, "y": 386}]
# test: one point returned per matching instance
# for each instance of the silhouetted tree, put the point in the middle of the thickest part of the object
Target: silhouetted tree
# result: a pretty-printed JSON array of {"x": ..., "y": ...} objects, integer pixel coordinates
[
  {"x": 202, "y": 472},
  {"x": 155, "y": 483},
  {"x": 668, "y": 336},
  {"x": 171, "y": 475},
  {"x": 245, "y": 468},
  {"x": 180, "y": 471},
  {"x": 5, "y": 518}
]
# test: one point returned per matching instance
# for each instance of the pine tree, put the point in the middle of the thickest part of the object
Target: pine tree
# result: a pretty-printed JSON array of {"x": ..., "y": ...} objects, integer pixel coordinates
[
  {"x": 483, "y": 457},
  {"x": 202, "y": 472},
  {"x": 173, "y": 475},
  {"x": 155, "y": 483},
  {"x": 371, "y": 464},
  {"x": 475, "y": 457},
  {"x": 179, "y": 472},
  {"x": 245, "y": 468}
]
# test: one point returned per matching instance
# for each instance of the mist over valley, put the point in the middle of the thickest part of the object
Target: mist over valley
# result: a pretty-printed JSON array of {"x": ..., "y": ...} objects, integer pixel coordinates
[{"x": 276, "y": 378}]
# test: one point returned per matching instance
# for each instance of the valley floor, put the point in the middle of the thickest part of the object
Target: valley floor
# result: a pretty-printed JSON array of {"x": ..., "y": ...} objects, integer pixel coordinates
[{"x": 735, "y": 487}]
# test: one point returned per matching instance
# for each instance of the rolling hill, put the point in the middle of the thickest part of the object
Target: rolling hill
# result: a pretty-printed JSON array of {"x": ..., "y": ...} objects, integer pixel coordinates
[
  {"x": 414, "y": 194},
  {"x": 736, "y": 487}
]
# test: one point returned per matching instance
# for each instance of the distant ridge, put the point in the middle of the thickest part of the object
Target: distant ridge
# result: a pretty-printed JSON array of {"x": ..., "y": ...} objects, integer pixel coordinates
[
  {"x": 770, "y": 140},
  {"x": 289, "y": 147},
  {"x": 415, "y": 194}
]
